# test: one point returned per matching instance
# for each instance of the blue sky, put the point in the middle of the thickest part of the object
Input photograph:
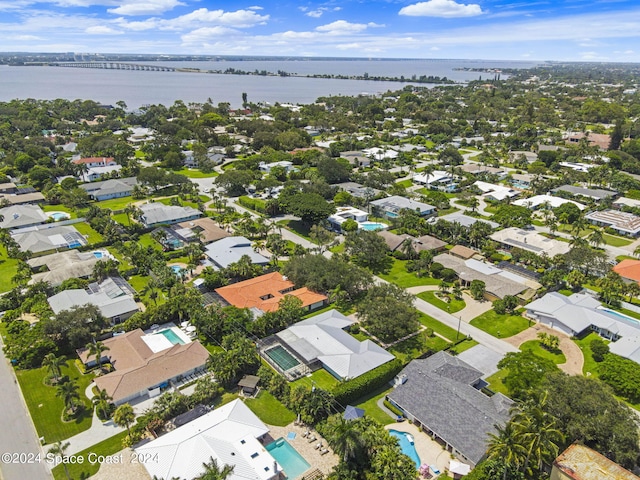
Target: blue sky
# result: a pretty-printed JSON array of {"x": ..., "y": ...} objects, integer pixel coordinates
[{"x": 569, "y": 30}]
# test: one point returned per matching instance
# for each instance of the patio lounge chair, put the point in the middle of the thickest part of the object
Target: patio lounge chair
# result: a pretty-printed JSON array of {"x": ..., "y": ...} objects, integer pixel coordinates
[
  {"x": 318, "y": 446},
  {"x": 326, "y": 450},
  {"x": 312, "y": 439}
]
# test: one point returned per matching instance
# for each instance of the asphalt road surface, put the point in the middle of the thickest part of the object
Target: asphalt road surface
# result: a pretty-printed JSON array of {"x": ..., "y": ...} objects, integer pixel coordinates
[{"x": 19, "y": 445}]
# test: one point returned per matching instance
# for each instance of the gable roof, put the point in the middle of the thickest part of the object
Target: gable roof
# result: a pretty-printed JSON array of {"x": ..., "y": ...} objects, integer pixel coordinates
[
  {"x": 229, "y": 250},
  {"x": 264, "y": 293},
  {"x": 323, "y": 338},
  {"x": 228, "y": 434},
  {"x": 438, "y": 392}
]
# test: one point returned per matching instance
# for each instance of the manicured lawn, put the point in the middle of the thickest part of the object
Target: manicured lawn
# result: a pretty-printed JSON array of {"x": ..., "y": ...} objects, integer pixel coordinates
[
  {"x": 495, "y": 382},
  {"x": 590, "y": 367},
  {"x": 85, "y": 229},
  {"x": 620, "y": 258},
  {"x": 438, "y": 327},
  {"x": 121, "y": 218},
  {"x": 184, "y": 203},
  {"x": 462, "y": 346},
  {"x": 46, "y": 408},
  {"x": 536, "y": 347},
  {"x": 195, "y": 173},
  {"x": 447, "y": 211},
  {"x": 139, "y": 282},
  {"x": 110, "y": 446},
  {"x": 416, "y": 346},
  {"x": 8, "y": 269},
  {"x": 59, "y": 208},
  {"x": 369, "y": 403},
  {"x": 116, "y": 203},
  {"x": 270, "y": 410},
  {"x": 399, "y": 275},
  {"x": 500, "y": 326},
  {"x": 616, "y": 241},
  {"x": 147, "y": 240},
  {"x": 297, "y": 227},
  {"x": 566, "y": 292},
  {"x": 405, "y": 183},
  {"x": 321, "y": 378},
  {"x": 452, "y": 307}
]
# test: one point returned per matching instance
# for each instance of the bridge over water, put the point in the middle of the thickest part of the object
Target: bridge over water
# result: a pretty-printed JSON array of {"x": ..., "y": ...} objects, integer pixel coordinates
[{"x": 114, "y": 66}]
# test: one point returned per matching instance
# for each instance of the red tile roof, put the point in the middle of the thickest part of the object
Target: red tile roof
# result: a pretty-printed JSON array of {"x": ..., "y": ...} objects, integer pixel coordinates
[
  {"x": 628, "y": 269},
  {"x": 104, "y": 160}
]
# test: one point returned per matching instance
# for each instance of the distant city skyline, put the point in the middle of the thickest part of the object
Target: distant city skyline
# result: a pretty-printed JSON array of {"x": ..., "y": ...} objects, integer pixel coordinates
[{"x": 565, "y": 30}]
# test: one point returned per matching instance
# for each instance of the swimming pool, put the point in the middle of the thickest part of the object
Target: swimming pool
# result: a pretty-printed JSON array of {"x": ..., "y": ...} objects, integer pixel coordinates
[
  {"x": 97, "y": 254},
  {"x": 407, "y": 446},
  {"x": 178, "y": 270},
  {"x": 57, "y": 216},
  {"x": 372, "y": 226},
  {"x": 288, "y": 457},
  {"x": 171, "y": 336},
  {"x": 282, "y": 358},
  {"x": 621, "y": 315}
]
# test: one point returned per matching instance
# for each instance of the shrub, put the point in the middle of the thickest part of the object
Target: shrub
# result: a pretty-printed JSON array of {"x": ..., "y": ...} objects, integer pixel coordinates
[
  {"x": 351, "y": 390},
  {"x": 599, "y": 349},
  {"x": 393, "y": 408}
]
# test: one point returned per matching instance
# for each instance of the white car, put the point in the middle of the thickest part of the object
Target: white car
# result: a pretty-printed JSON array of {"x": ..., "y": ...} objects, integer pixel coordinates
[{"x": 206, "y": 190}]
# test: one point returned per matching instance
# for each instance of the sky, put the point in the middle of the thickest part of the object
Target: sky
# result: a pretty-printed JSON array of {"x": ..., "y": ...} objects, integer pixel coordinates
[{"x": 528, "y": 30}]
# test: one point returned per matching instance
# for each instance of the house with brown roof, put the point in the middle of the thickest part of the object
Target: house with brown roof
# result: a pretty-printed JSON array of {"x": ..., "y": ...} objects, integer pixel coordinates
[
  {"x": 599, "y": 140},
  {"x": 147, "y": 363},
  {"x": 463, "y": 252},
  {"x": 203, "y": 229},
  {"x": 581, "y": 463},
  {"x": 264, "y": 293},
  {"x": 425, "y": 242},
  {"x": 629, "y": 270}
]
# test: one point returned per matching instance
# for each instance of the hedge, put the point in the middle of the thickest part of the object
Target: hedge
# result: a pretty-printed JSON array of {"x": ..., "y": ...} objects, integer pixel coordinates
[
  {"x": 393, "y": 408},
  {"x": 252, "y": 203},
  {"x": 351, "y": 390}
]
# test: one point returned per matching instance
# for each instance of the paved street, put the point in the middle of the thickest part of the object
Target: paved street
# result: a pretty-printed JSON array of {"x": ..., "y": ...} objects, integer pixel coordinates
[{"x": 17, "y": 434}]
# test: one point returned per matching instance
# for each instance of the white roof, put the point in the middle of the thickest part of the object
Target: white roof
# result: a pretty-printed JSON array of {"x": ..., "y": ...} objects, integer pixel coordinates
[
  {"x": 536, "y": 201},
  {"x": 229, "y": 250},
  {"x": 322, "y": 337},
  {"x": 16, "y": 216},
  {"x": 433, "y": 177},
  {"x": 531, "y": 241},
  {"x": 228, "y": 435},
  {"x": 499, "y": 192}
]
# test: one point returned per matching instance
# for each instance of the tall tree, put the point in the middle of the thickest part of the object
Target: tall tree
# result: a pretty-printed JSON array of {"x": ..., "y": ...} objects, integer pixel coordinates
[
  {"x": 124, "y": 416},
  {"x": 212, "y": 470}
]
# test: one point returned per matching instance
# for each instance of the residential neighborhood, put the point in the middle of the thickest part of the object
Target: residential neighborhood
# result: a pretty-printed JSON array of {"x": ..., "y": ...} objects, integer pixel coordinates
[{"x": 405, "y": 285}]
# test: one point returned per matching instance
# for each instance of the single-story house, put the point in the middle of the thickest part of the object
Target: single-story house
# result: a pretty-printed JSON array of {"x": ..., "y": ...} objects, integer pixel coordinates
[
  {"x": 284, "y": 164},
  {"x": 530, "y": 157},
  {"x": 578, "y": 462},
  {"x": 495, "y": 192},
  {"x": 477, "y": 169},
  {"x": 322, "y": 342},
  {"x": 113, "y": 297},
  {"x": 231, "y": 434},
  {"x": 146, "y": 363},
  {"x": 529, "y": 240},
  {"x": 62, "y": 266},
  {"x": 538, "y": 200},
  {"x": 347, "y": 213},
  {"x": 357, "y": 190},
  {"x": 466, "y": 220},
  {"x": 114, "y": 188},
  {"x": 622, "y": 222},
  {"x": 20, "y": 216},
  {"x": 377, "y": 153},
  {"x": 622, "y": 202},
  {"x": 229, "y": 250},
  {"x": 390, "y": 207},
  {"x": 600, "y": 140},
  {"x": 522, "y": 180},
  {"x": 21, "y": 198},
  {"x": 96, "y": 173},
  {"x": 263, "y": 293},
  {"x": 580, "y": 313},
  {"x": 157, "y": 213},
  {"x": 463, "y": 252},
  {"x": 441, "y": 396},
  {"x": 356, "y": 158},
  {"x": 8, "y": 188},
  {"x": 629, "y": 270},
  {"x": 48, "y": 237},
  {"x": 435, "y": 179},
  {"x": 425, "y": 242},
  {"x": 596, "y": 194},
  {"x": 202, "y": 229}
]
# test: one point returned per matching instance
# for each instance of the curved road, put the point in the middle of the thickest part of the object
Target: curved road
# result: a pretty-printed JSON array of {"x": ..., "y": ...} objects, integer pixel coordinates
[{"x": 18, "y": 435}]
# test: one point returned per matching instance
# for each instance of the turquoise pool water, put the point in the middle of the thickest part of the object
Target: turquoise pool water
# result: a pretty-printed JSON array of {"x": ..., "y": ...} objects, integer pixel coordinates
[
  {"x": 97, "y": 254},
  {"x": 288, "y": 458},
  {"x": 372, "y": 226},
  {"x": 406, "y": 446},
  {"x": 177, "y": 269},
  {"x": 57, "y": 216},
  {"x": 171, "y": 336}
]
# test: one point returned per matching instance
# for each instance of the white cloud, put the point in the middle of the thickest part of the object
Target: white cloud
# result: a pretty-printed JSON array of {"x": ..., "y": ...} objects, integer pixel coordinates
[
  {"x": 442, "y": 9},
  {"x": 317, "y": 13},
  {"x": 205, "y": 34},
  {"x": 238, "y": 19},
  {"x": 342, "y": 27},
  {"x": 101, "y": 30},
  {"x": 23, "y": 38},
  {"x": 146, "y": 7}
]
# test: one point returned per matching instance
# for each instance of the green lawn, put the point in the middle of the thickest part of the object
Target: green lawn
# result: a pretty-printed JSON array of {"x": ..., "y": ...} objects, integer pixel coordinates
[
  {"x": 416, "y": 346},
  {"x": 399, "y": 275},
  {"x": 115, "y": 203},
  {"x": 495, "y": 382},
  {"x": 270, "y": 410},
  {"x": 46, "y": 408},
  {"x": 452, "y": 307},
  {"x": 438, "y": 327},
  {"x": 566, "y": 292},
  {"x": 297, "y": 227},
  {"x": 405, "y": 183},
  {"x": 139, "y": 282},
  {"x": 462, "y": 346},
  {"x": 369, "y": 403},
  {"x": 321, "y": 378},
  {"x": 184, "y": 203},
  {"x": 86, "y": 230},
  {"x": 121, "y": 218},
  {"x": 195, "y": 173},
  {"x": 590, "y": 367},
  {"x": 536, "y": 347},
  {"x": 616, "y": 241},
  {"x": 59, "y": 208},
  {"x": 110, "y": 446},
  {"x": 147, "y": 240},
  {"x": 8, "y": 269},
  {"x": 620, "y": 258},
  {"x": 500, "y": 326}
]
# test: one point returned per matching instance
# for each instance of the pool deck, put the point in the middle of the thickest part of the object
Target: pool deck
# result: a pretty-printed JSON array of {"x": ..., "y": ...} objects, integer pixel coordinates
[
  {"x": 324, "y": 463},
  {"x": 429, "y": 451}
]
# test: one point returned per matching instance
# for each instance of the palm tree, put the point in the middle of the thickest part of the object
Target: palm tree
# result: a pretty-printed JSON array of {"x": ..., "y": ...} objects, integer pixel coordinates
[
  {"x": 124, "y": 416},
  {"x": 54, "y": 363},
  {"x": 58, "y": 450},
  {"x": 68, "y": 391},
  {"x": 101, "y": 400},
  {"x": 506, "y": 446},
  {"x": 344, "y": 438},
  {"x": 407, "y": 248},
  {"x": 596, "y": 238},
  {"x": 212, "y": 471},
  {"x": 96, "y": 349}
]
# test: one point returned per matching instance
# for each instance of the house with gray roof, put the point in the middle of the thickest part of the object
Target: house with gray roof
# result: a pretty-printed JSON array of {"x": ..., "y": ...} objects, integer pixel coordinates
[
  {"x": 19, "y": 216},
  {"x": 593, "y": 193},
  {"x": 58, "y": 267},
  {"x": 441, "y": 395},
  {"x": 113, "y": 297},
  {"x": 47, "y": 237},
  {"x": 322, "y": 342},
  {"x": 390, "y": 207},
  {"x": 465, "y": 220},
  {"x": 107, "y": 189},
  {"x": 581, "y": 313},
  {"x": 157, "y": 213},
  {"x": 229, "y": 250}
]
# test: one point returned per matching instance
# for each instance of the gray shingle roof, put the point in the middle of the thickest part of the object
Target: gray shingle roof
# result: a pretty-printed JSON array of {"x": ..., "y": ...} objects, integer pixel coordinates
[
  {"x": 229, "y": 250},
  {"x": 16, "y": 216},
  {"x": 156, "y": 213},
  {"x": 396, "y": 203},
  {"x": 110, "y": 187},
  {"x": 438, "y": 393}
]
